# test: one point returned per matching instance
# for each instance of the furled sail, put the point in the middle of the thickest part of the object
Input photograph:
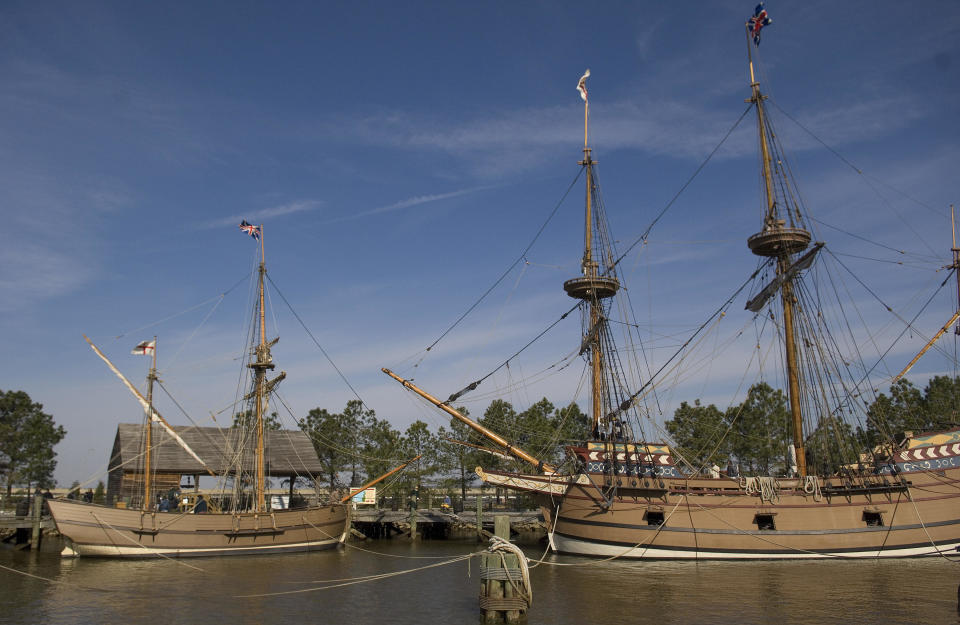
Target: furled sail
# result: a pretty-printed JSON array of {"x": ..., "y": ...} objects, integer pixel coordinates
[{"x": 756, "y": 304}]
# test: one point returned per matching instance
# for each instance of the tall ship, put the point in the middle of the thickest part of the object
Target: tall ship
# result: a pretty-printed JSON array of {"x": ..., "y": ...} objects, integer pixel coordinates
[
  {"x": 242, "y": 519},
  {"x": 620, "y": 495}
]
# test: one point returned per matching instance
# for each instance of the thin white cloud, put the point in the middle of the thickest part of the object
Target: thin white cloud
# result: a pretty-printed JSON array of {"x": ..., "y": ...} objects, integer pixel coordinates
[
  {"x": 265, "y": 214},
  {"x": 416, "y": 200}
]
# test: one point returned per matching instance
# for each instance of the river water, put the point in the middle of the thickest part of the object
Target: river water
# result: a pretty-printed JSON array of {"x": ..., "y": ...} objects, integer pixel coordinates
[{"x": 298, "y": 588}]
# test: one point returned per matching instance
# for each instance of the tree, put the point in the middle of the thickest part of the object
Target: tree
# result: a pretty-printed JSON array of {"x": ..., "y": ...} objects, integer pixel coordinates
[
  {"x": 758, "y": 430},
  {"x": 418, "y": 441},
  {"x": 331, "y": 441},
  {"x": 697, "y": 431},
  {"x": 909, "y": 409},
  {"x": 460, "y": 459},
  {"x": 356, "y": 420},
  {"x": 27, "y": 438},
  {"x": 247, "y": 419},
  {"x": 382, "y": 447}
]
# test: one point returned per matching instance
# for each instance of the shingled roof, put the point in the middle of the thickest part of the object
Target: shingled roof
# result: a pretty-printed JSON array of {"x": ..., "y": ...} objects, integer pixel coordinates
[{"x": 288, "y": 452}]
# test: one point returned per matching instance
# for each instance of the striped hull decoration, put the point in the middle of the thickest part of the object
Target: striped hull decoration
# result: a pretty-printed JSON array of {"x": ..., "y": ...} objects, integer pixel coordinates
[{"x": 101, "y": 531}]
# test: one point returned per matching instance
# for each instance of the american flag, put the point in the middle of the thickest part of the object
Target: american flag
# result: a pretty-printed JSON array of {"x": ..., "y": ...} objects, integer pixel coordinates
[
  {"x": 582, "y": 85},
  {"x": 250, "y": 229},
  {"x": 758, "y": 21}
]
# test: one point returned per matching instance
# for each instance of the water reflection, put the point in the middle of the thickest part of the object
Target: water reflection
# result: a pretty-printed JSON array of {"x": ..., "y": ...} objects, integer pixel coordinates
[{"x": 567, "y": 590}]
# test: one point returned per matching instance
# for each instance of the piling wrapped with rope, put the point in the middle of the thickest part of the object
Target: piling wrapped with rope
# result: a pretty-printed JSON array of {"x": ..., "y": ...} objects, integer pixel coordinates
[{"x": 505, "y": 590}]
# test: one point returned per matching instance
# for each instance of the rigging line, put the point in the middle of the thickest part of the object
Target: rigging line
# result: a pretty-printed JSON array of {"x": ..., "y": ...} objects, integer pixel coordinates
[
  {"x": 683, "y": 188},
  {"x": 908, "y": 325},
  {"x": 862, "y": 238},
  {"x": 183, "y": 312},
  {"x": 361, "y": 580},
  {"x": 203, "y": 322},
  {"x": 719, "y": 311},
  {"x": 851, "y": 165},
  {"x": 514, "y": 264},
  {"x": 200, "y": 429},
  {"x": 476, "y": 383},
  {"x": 872, "y": 187},
  {"x": 916, "y": 264},
  {"x": 317, "y": 343}
]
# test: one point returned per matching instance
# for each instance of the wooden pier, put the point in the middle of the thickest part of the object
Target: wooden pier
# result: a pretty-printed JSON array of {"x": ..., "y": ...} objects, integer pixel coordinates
[{"x": 438, "y": 523}]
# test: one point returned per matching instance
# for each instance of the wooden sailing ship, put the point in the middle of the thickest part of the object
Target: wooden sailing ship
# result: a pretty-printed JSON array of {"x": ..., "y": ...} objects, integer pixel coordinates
[
  {"x": 633, "y": 499},
  {"x": 248, "y": 524}
]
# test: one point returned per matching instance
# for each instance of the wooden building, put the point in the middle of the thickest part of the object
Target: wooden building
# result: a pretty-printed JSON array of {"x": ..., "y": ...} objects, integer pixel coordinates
[{"x": 289, "y": 454}]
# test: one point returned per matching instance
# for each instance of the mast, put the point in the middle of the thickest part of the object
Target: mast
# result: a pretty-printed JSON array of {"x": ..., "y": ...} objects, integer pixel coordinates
[
  {"x": 591, "y": 287},
  {"x": 776, "y": 240},
  {"x": 148, "y": 438},
  {"x": 263, "y": 362}
]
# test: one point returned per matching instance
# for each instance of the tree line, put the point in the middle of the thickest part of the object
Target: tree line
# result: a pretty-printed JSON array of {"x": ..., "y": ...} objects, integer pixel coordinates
[{"x": 755, "y": 434}]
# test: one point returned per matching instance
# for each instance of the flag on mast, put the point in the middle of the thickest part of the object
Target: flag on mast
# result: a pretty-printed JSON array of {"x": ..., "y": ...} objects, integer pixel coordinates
[
  {"x": 250, "y": 229},
  {"x": 582, "y": 85},
  {"x": 144, "y": 348},
  {"x": 757, "y": 22}
]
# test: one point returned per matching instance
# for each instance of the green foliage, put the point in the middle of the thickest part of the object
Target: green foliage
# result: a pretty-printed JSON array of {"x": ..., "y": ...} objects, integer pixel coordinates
[
  {"x": 381, "y": 448},
  {"x": 696, "y": 431},
  {"x": 418, "y": 441},
  {"x": 99, "y": 495},
  {"x": 909, "y": 409},
  {"x": 753, "y": 433},
  {"x": 331, "y": 440},
  {"x": 760, "y": 430},
  {"x": 247, "y": 418},
  {"x": 27, "y": 438}
]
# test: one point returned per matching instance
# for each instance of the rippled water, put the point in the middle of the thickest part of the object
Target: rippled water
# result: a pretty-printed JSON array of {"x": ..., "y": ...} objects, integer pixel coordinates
[{"x": 581, "y": 591}]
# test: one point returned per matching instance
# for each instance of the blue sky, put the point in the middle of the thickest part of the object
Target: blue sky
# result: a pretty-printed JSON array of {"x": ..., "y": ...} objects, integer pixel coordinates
[{"x": 400, "y": 157}]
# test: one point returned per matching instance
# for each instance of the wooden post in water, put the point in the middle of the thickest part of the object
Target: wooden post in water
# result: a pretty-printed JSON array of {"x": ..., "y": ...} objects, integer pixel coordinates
[
  {"x": 500, "y": 579},
  {"x": 37, "y": 514},
  {"x": 413, "y": 516},
  {"x": 479, "y": 518}
]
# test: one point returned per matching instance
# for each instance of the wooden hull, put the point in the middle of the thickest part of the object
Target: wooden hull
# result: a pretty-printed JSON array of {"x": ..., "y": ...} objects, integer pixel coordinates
[
  {"x": 705, "y": 518},
  {"x": 95, "y": 530}
]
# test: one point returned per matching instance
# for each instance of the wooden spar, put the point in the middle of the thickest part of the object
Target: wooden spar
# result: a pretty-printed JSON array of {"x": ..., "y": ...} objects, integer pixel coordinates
[
  {"x": 496, "y": 438},
  {"x": 480, "y": 447},
  {"x": 791, "y": 237},
  {"x": 154, "y": 415},
  {"x": 377, "y": 480},
  {"x": 263, "y": 362},
  {"x": 148, "y": 438},
  {"x": 929, "y": 344}
]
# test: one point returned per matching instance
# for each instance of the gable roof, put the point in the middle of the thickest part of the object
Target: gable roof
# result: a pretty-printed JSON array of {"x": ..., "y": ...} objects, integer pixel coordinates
[{"x": 288, "y": 452}]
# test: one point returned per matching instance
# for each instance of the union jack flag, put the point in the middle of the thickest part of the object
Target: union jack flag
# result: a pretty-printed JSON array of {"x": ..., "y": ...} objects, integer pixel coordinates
[
  {"x": 758, "y": 21},
  {"x": 250, "y": 229}
]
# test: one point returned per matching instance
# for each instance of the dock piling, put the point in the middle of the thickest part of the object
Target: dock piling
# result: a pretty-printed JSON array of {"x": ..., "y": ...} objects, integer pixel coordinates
[{"x": 504, "y": 583}]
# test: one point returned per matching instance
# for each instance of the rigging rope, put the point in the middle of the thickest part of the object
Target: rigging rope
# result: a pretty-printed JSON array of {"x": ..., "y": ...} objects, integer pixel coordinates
[{"x": 522, "y": 257}]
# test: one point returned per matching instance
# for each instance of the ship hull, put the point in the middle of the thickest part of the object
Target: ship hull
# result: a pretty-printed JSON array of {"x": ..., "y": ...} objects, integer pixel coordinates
[
  {"x": 94, "y": 530},
  {"x": 705, "y": 518}
]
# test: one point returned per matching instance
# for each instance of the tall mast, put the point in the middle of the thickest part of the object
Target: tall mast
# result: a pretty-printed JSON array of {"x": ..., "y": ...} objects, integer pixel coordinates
[
  {"x": 591, "y": 287},
  {"x": 780, "y": 242},
  {"x": 263, "y": 362},
  {"x": 148, "y": 438},
  {"x": 956, "y": 259}
]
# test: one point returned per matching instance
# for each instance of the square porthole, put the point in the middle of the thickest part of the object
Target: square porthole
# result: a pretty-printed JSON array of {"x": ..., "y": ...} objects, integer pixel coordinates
[
  {"x": 765, "y": 522},
  {"x": 654, "y": 517},
  {"x": 873, "y": 518}
]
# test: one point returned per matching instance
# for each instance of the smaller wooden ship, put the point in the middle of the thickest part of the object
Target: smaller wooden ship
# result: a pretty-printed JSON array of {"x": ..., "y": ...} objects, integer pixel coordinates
[{"x": 239, "y": 522}]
